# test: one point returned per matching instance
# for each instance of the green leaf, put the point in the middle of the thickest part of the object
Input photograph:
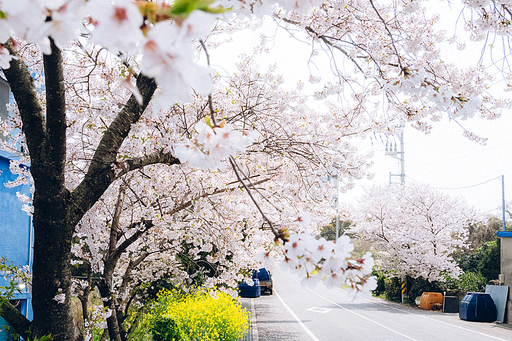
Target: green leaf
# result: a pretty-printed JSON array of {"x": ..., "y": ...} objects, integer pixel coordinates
[{"x": 187, "y": 6}]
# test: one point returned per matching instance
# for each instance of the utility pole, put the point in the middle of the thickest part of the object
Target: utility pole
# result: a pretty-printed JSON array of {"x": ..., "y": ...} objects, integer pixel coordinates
[
  {"x": 399, "y": 155},
  {"x": 336, "y": 199},
  {"x": 333, "y": 176},
  {"x": 503, "y": 200}
]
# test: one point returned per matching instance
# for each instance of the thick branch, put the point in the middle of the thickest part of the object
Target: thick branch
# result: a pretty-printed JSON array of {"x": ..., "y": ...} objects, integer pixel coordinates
[
  {"x": 148, "y": 224},
  {"x": 24, "y": 91},
  {"x": 100, "y": 174},
  {"x": 140, "y": 162},
  {"x": 16, "y": 319},
  {"x": 55, "y": 115},
  {"x": 129, "y": 241}
]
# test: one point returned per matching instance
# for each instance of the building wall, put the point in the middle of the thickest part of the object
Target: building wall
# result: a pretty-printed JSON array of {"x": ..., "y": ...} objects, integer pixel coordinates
[
  {"x": 15, "y": 233},
  {"x": 506, "y": 268}
]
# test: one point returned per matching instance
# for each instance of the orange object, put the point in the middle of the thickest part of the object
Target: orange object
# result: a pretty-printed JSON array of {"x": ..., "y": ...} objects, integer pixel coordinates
[{"x": 428, "y": 299}]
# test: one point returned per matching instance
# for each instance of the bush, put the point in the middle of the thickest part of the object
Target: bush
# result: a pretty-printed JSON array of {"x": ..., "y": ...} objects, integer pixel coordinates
[
  {"x": 489, "y": 266},
  {"x": 393, "y": 289},
  {"x": 485, "y": 260},
  {"x": 200, "y": 316},
  {"x": 381, "y": 286},
  {"x": 469, "y": 282},
  {"x": 165, "y": 329}
]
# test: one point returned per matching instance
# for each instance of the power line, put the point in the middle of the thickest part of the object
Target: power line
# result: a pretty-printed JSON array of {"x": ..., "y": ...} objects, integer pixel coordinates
[
  {"x": 461, "y": 156},
  {"x": 455, "y": 188}
]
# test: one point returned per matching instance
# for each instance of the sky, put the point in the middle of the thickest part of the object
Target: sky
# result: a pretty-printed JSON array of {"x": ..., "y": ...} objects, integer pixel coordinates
[{"x": 444, "y": 158}]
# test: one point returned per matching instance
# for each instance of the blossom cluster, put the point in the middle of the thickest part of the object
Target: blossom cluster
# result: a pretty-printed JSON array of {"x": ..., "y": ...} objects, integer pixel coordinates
[
  {"x": 317, "y": 260},
  {"x": 60, "y": 297},
  {"x": 120, "y": 26},
  {"x": 97, "y": 322},
  {"x": 212, "y": 144}
]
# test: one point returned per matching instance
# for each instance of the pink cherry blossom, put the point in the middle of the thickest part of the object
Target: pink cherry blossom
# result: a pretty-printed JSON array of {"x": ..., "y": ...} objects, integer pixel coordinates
[
  {"x": 116, "y": 24},
  {"x": 169, "y": 58}
]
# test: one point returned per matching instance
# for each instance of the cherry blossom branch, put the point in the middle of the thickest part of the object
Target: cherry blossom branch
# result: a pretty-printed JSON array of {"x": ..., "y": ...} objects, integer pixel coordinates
[
  {"x": 100, "y": 174},
  {"x": 135, "y": 163},
  {"x": 148, "y": 224},
  {"x": 210, "y": 98},
  {"x": 114, "y": 229},
  {"x": 326, "y": 40},
  {"x": 389, "y": 33},
  {"x": 277, "y": 234}
]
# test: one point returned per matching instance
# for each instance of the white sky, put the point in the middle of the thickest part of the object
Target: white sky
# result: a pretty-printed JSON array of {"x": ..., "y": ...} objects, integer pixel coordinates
[{"x": 444, "y": 158}]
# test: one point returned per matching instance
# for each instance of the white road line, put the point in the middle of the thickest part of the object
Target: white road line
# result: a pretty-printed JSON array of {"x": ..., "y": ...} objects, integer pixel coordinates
[
  {"x": 313, "y": 337},
  {"x": 463, "y": 328},
  {"x": 390, "y": 306},
  {"x": 353, "y": 312},
  {"x": 404, "y": 311}
]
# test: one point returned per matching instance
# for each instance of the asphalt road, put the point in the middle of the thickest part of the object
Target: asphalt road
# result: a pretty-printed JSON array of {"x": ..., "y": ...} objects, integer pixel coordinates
[{"x": 296, "y": 313}]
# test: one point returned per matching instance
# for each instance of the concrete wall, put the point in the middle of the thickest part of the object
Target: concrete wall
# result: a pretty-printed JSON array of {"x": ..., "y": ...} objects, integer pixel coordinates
[{"x": 506, "y": 268}]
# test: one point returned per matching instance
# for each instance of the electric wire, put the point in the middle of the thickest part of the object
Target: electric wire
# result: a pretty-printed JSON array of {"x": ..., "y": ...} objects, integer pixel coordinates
[
  {"x": 461, "y": 156},
  {"x": 455, "y": 188}
]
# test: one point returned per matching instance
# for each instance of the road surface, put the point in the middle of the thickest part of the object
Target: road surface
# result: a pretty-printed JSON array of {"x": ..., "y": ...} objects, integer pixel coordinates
[{"x": 295, "y": 313}]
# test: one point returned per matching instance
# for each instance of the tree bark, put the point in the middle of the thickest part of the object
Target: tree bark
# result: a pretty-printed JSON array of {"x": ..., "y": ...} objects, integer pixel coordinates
[{"x": 15, "y": 318}]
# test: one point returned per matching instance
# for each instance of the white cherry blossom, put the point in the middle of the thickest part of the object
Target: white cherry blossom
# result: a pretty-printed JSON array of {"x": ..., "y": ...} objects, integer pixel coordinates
[
  {"x": 169, "y": 58},
  {"x": 116, "y": 24}
]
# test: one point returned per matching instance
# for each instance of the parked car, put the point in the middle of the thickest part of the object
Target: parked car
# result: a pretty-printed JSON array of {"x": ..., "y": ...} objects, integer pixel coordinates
[{"x": 265, "y": 279}]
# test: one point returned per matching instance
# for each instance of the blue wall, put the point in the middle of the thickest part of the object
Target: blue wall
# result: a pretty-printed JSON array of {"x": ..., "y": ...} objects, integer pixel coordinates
[{"x": 15, "y": 232}]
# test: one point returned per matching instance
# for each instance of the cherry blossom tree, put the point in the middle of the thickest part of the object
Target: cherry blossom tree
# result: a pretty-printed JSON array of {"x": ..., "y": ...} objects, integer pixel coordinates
[
  {"x": 136, "y": 231},
  {"x": 135, "y": 145},
  {"x": 414, "y": 229}
]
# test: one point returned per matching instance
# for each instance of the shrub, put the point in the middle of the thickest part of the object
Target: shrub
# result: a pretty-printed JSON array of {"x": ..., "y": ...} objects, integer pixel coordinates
[
  {"x": 199, "y": 316},
  {"x": 393, "y": 289},
  {"x": 381, "y": 287},
  {"x": 470, "y": 282},
  {"x": 166, "y": 329},
  {"x": 489, "y": 266}
]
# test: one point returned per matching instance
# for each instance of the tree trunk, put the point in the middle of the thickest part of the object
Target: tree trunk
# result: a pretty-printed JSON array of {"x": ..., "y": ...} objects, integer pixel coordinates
[{"x": 51, "y": 270}]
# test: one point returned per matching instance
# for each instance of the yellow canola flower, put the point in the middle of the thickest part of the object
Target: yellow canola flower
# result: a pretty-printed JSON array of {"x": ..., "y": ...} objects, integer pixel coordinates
[{"x": 201, "y": 317}]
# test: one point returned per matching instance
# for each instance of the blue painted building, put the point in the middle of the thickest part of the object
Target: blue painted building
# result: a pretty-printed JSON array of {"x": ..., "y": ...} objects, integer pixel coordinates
[{"x": 16, "y": 233}]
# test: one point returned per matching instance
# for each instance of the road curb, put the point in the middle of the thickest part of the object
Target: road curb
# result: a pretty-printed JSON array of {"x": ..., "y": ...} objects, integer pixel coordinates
[{"x": 252, "y": 333}]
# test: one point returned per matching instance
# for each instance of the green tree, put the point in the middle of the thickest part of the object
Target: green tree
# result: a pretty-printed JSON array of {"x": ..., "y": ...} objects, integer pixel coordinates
[
  {"x": 489, "y": 265},
  {"x": 483, "y": 231},
  {"x": 483, "y": 256},
  {"x": 329, "y": 231}
]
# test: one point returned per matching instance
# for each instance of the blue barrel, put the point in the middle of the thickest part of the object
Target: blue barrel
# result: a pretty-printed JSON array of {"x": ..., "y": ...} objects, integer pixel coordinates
[
  {"x": 476, "y": 306},
  {"x": 246, "y": 290}
]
